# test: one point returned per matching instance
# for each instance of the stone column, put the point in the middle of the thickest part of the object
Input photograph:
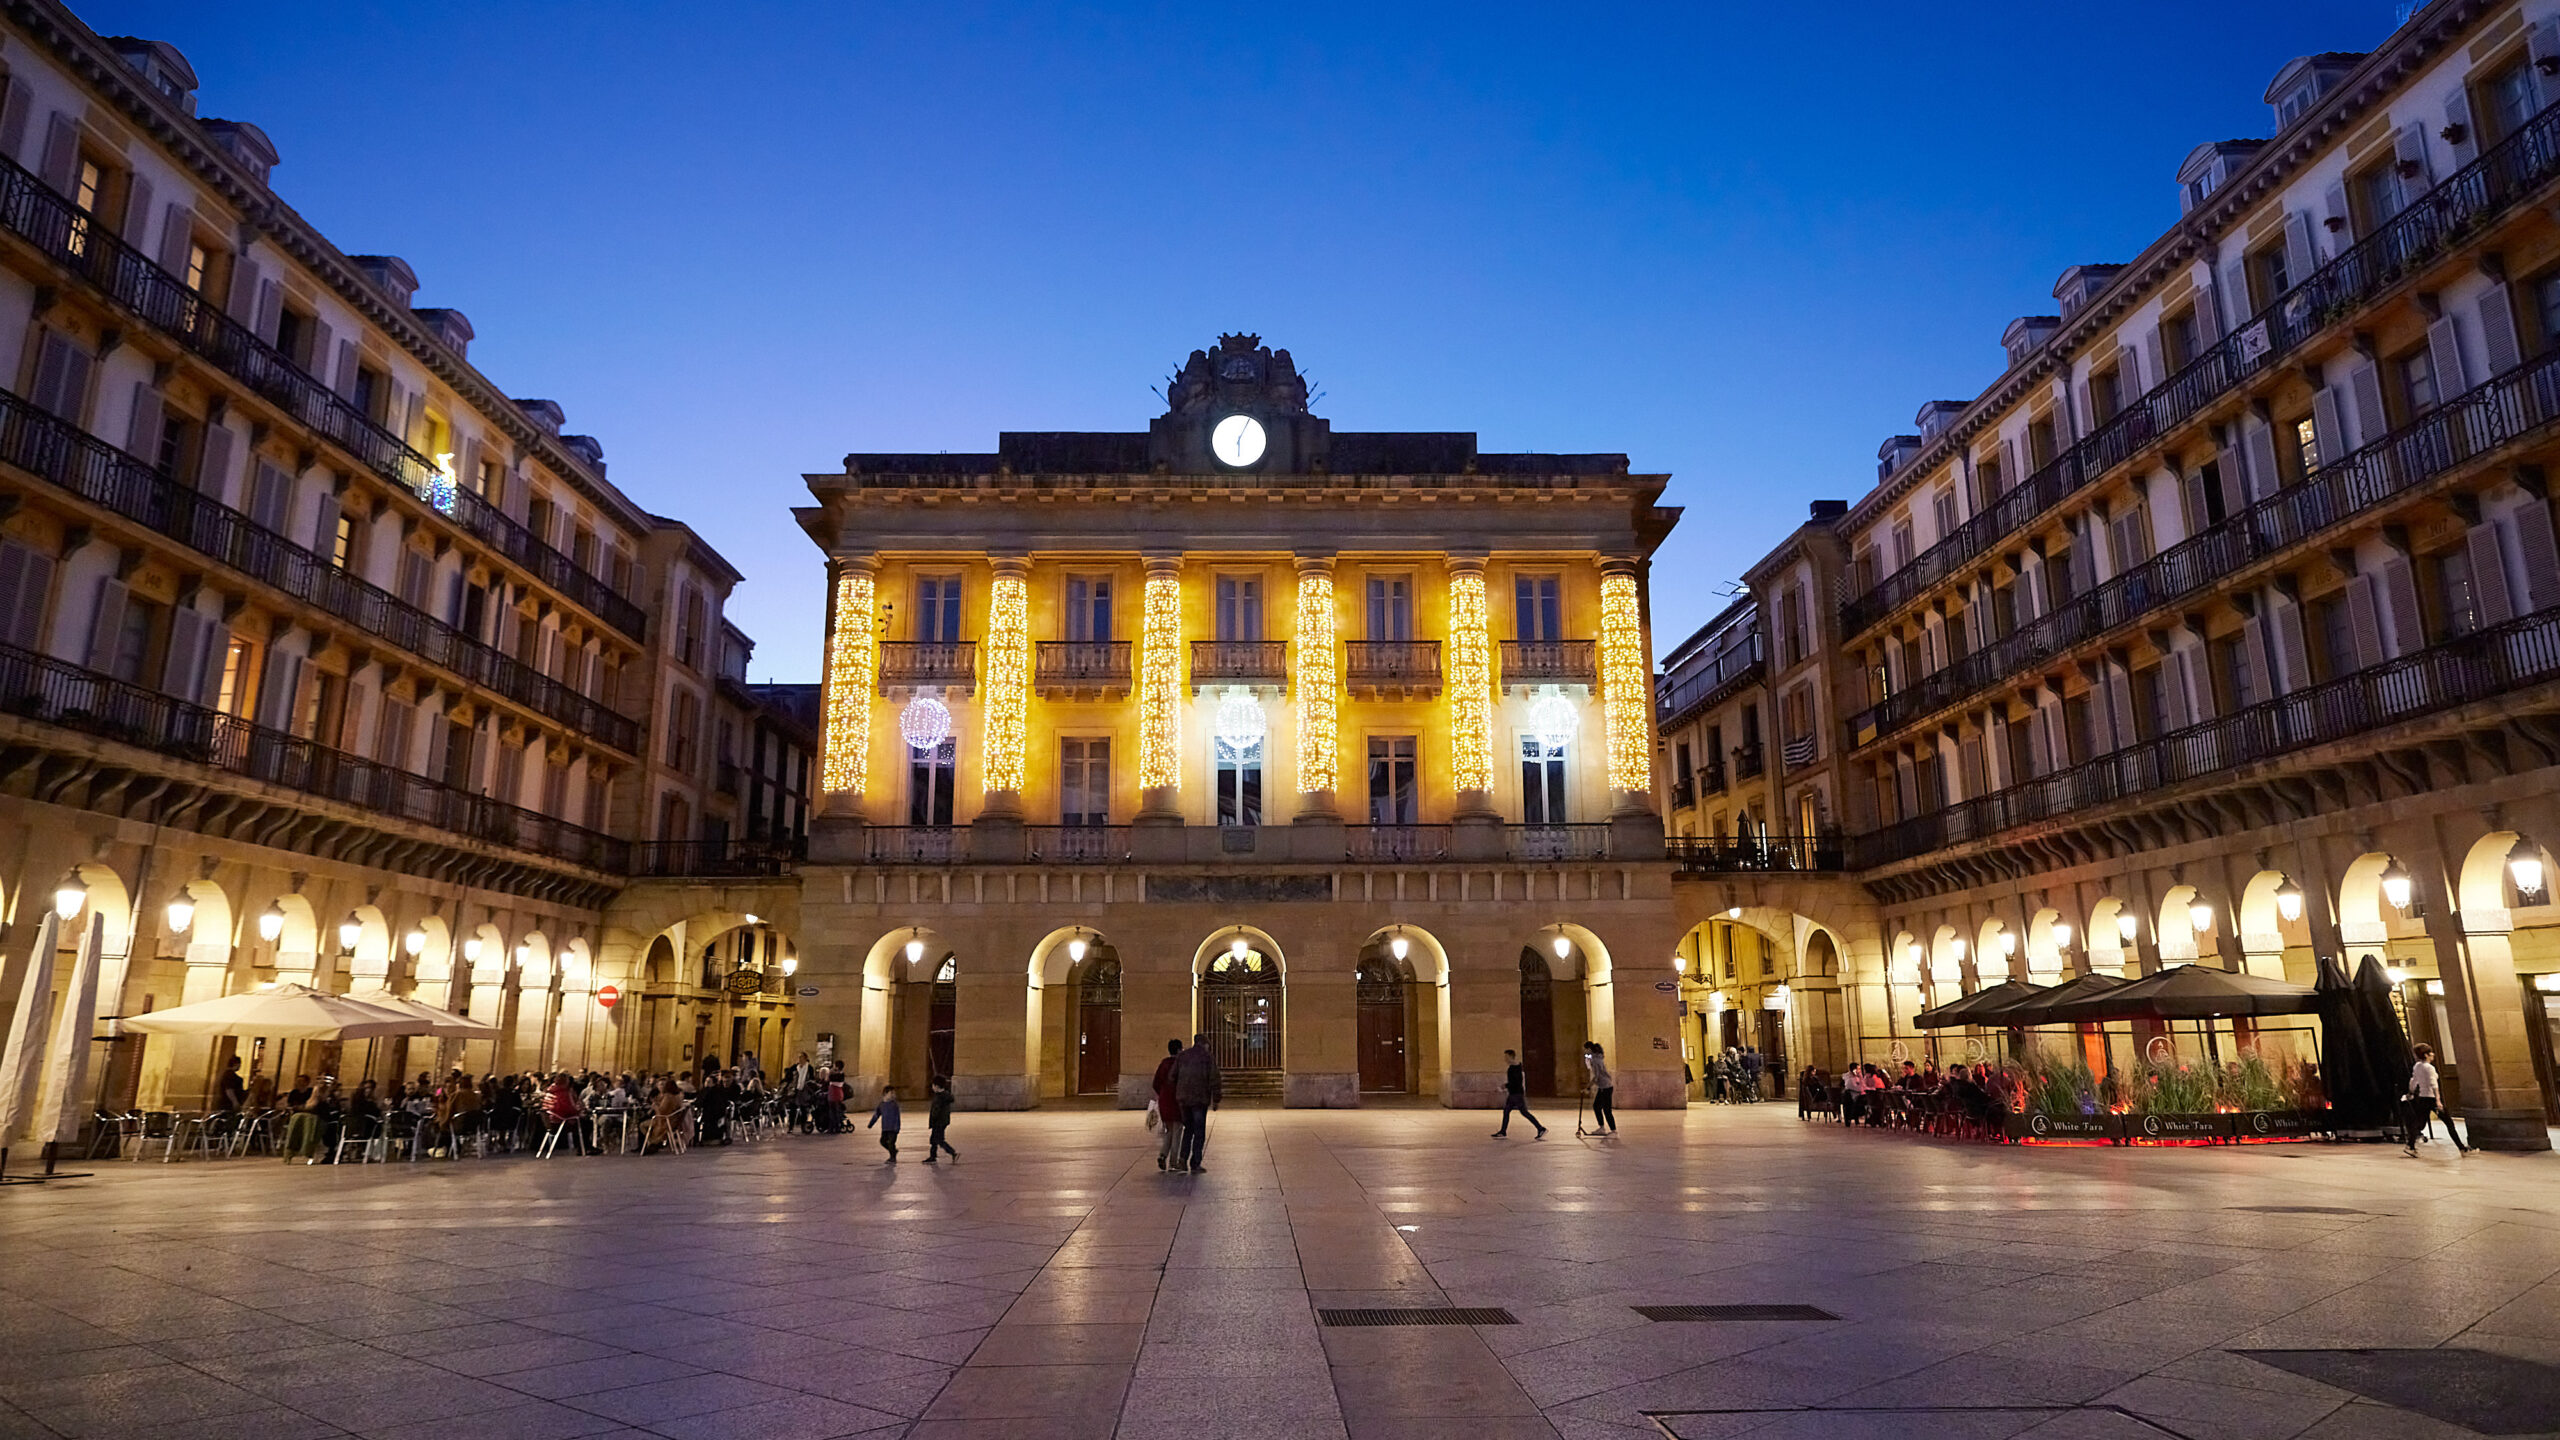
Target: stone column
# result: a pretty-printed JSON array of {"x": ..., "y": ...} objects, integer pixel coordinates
[
  {"x": 1483, "y": 1008},
  {"x": 578, "y": 1012},
  {"x": 1155, "y": 1006},
  {"x": 1160, "y": 694},
  {"x": 991, "y": 1040},
  {"x": 486, "y": 978},
  {"x": 852, "y": 678},
  {"x": 2484, "y": 1007},
  {"x": 177, "y": 1070},
  {"x": 1004, "y": 708},
  {"x": 1468, "y": 679},
  {"x": 1315, "y": 677},
  {"x": 1626, "y": 701},
  {"x": 1321, "y": 1035}
]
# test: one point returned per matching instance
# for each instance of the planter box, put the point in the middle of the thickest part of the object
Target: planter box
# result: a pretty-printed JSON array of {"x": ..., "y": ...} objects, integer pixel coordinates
[
  {"x": 2066, "y": 1127},
  {"x": 2156, "y": 1129}
]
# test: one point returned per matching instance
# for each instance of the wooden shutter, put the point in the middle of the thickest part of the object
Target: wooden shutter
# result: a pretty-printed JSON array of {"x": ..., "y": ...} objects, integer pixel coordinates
[
  {"x": 177, "y": 234},
  {"x": 272, "y": 497},
  {"x": 2539, "y": 553},
  {"x": 2233, "y": 294},
  {"x": 2444, "y": 352},
  {"x": 106, "y": 625},
  {"x": 2259, "y": 443},
  {"x": 2411, "y": 147},
  {"x": 182, "y": 672},
  {"x": 2290, "y": 646},
  {"x": 2400, "y": 602},
  {"x": 2300, "y": 257},
  {"x": 2208, "y": 326},
  {"x": 2542, "y": 42},
  {"x": 324, "y": 346},
  {"x": 278, "y": 688},
  {"x": 26, "y": 578},
  {"x": 2364, "y": 387},
  {"x": 2179, "y": 686},
  {"x": 270, "y": 309},
  {"x": 2364, "y": 618},
  {"x": 2129, "y": 372},
  {"x": 61, "y": 153},
  {"x": 213, "y": 467},
  {"x": 2197, "y": 516},
  {"x": 2498, "y": 331},
  {"x": 324, "y": 529},
  {"x": 142, "y": 436},
  {"x": 243, "y": 305},
  {"x": 2119, "y": 705},
  {"x": 2155, "y": 364},
  {"x": 137, "y": 210},
  {"x": 2488, "y": 574},
  {"x": 2334, "y": 200},
  {"x": 2325, "y": 425},
  {"x": 2253, "y": 654},
  {"x": 2457, "y": 117},
  {"x": 61, "y": 373},
  {"x": 345, "y": 379},
  {"x": 13, "y": 118}
]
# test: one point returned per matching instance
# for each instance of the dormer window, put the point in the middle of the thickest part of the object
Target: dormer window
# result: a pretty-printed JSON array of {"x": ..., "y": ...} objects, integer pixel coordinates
[{"x": 2300, "y": 84}]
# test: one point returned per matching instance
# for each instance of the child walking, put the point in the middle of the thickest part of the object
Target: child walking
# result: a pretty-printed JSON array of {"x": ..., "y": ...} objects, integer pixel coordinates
[
  {"x": 938, "y": 1119},
  {"x": 885, "y": 1115}
]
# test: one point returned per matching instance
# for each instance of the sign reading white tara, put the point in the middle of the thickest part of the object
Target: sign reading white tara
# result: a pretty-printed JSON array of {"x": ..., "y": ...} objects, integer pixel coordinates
[
  {"x": 1240, "y": 725},
  {"x": 925, "y": 723},
  {"x": 1552, "y": 720}
]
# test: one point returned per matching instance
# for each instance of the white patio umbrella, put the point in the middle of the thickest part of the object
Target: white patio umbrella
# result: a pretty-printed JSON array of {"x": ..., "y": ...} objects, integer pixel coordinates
[
  {"x": 67, "y": 1067},
  {"x": 281, "y": 1012},
  {"x": 443, "y": 1024},
  {"x": 23, "y": 1062}
]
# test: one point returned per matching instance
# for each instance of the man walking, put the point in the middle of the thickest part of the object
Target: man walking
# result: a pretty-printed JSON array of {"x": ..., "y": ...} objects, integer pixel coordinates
[
  {"x": 1168, "y": 1110},
  {"x": 2424, "y": 1102},
  {"x": 1197, "y": 1088},
  {"x": 938, "y": 1118},
  {"x": 1515, "y": 1095}
]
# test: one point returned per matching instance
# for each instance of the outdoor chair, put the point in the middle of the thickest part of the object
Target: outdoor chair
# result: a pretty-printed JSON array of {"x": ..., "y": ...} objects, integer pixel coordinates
[
  {"x": 363, "y": 1136},
  {"x": 554, "y": 1131},
  {"x": 158, "y": 1127}
]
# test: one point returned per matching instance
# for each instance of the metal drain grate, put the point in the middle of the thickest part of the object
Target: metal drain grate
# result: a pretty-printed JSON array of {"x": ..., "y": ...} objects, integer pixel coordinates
[
  {"x": 1733, "y": 1312},
  {"x": 1420, "y": 1315}
]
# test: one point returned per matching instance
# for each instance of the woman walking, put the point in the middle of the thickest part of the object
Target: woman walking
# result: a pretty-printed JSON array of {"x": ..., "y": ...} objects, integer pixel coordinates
[{"x": 1604, "y": 1090}]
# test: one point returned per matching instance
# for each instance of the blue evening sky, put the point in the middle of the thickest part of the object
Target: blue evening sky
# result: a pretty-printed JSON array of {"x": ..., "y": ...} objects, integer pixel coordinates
[{"x": 1739, "y": 243}]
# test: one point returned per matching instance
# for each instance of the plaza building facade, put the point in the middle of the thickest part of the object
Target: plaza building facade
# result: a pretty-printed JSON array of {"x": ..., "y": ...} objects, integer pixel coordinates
[
  {"x": 2224, "y": 626},
  {"x": 321, "y": 659},
  {"x": 1335, "y": 747}
]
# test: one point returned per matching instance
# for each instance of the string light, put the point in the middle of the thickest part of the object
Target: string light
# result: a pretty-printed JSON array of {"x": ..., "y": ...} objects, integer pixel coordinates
[
  {"x": 924, "y": 724},
  {"x": 1241, "y": 725},
  {"x": 1622, "y": 684},
  {"x": 1553, "y": 720},
  {"x": 1470, "y": 684},
  {"x": 849, "y": 671},
  {"x": 1160, "y": 684},
  {"x": 1007, "y": 706},
  {"x": 1317, "y": 670}
]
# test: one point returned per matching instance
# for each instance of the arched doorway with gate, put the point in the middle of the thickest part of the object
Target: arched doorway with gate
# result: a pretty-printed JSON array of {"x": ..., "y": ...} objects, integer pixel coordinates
[
  {"x": 942, "y": 1021},
  {"x": 1537, "y": 1022},
  {"x": 1097, "y": 1023},
  {"x": 1384, "y": 1002},
  {"x": 1240, "y": 1000}
]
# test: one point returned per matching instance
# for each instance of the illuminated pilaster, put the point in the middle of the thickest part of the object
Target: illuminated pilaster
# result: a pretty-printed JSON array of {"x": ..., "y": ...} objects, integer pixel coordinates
[
  {"x": 1315, "y": 672},
  {"x": 1625, "y": 697},
  {"x": 852, "y": 667},
  {"x": 1160, "y": 690},
  {"x": 1470, "y": 687},
  {"x": 1004, "y": 704}
]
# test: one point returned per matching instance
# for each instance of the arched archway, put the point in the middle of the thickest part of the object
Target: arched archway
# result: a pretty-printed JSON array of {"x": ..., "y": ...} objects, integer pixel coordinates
[{"x": 1242, "y": 977}]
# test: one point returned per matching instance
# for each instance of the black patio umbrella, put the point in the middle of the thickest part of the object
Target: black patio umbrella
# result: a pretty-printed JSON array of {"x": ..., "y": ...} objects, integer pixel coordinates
[
  {"x": 2189, "y": 992},
  {"x": 2037, "y": 1008},
  {"x": 2386, "y": 1045},
  {"x": 1967, "y": 1009},
  {"x": 2357, "y": 1100}
]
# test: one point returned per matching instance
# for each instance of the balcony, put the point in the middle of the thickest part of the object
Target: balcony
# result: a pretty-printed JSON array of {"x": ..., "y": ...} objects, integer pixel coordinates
[
  {"x": 1711, "y": 779},
  {"x": 1077, "y": 844},
  {"x": 1392, "y": 669},
  {"x": 2511, "y": 407},
  {"x": 1684, "y": 793},
  {"x": 712, "y": 859},
  {"x": 1239, "y": 662},
  {"x": 928, "y": 664},
  {"x": 1082, "y": 669},
  {"x": 1396, "y": 842},
  {"x": 915, "y": 844},
  {"x": 41, "y": 688},
  {"x": 1550, "y": 662},
  {"x": 1749, "y": 761},
  {"x": 2470, "y": 199},
  {"x": 77, "y": 243},
  {"x": 2484, "y": 665},
  {"x": 1558, "y": 842},
  {"x": 88, "y": 468},
  {"x": 1764, "y": 853},
  {"x": 1691, "y": 690}
]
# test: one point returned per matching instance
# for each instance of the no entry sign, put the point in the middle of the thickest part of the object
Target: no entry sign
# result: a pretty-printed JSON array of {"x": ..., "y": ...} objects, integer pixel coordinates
[{"x": 606, "y": 996}]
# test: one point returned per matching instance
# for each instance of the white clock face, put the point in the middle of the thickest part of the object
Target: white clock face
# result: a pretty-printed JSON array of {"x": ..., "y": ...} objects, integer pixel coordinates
[{"x": 1237, "y": 441}]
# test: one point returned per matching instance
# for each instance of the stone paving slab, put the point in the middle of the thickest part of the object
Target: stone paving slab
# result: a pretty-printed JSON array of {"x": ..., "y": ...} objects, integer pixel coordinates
[{"x": 1055, "y": 1284}]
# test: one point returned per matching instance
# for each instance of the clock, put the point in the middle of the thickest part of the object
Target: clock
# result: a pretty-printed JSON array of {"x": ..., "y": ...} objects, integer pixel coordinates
[{"x": 1237, "y": 442}]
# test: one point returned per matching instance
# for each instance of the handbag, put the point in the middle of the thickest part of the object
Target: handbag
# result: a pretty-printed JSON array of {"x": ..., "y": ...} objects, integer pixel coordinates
[{"x": 1155, "y": 1116}]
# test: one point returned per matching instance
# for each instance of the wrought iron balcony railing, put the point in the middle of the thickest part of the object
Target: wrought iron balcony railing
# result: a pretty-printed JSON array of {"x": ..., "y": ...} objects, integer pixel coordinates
[
  {"x": 680, "y": 859},
  {"x": 1081, "y": 665},
  {"x": 2480, "y": 666},
  {"x": 1691, "y": 688},
  {"x": 928, "y": 662},
  {"x": 79, "y": 463},
  {"x": 1558, "y": 842},
  {"x": 1684, "y": 793},
  {"x": 1749, "y": 761},
  {"x": 2481, "y": 192},
  {"x": 1239, "y": 662},
  {"x": 915, "y": 844},
  {"x": 1077, "y": 844},
  {"x": 1550, "y": 662},
  {"x": 41, "y": 688},
  {"x": 1754, "y": 854},
  {"x": 1408, "y": 665},
  {"x": 2484, "y": 418},
  {"x": 1396, "y": 842},
  {"x": 1711, "y": 779},
  {"x": 72, "y": 239}
]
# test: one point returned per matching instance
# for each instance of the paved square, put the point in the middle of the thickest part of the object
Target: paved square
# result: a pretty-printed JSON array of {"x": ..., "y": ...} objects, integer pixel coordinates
[{"x": 1055, "y": 1284}]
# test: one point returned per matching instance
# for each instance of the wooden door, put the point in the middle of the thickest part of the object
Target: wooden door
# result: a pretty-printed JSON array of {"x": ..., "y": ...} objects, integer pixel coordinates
[
  {"x": 1382, "y": 1012},
  {"x": 1098, "y": 1029},
  {"x": 1537, "y": 1023},
  {"x": 942, "y": 1024}
]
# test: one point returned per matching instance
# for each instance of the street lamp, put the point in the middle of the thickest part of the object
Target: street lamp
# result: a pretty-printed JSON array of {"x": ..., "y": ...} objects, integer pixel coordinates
[
  {"x": 68, "y": 899},
  {"x": 2524, "y": 863},
  {"x": 350, "y": 930},
  {"x": 1238, "y": 948},
  {"x": 2061, "y": 934},
  {"x": 2008, "y": 943},
  {"x": 2395, "y": 885},
  {"x": 915, "y": 950},
  {"x": 2200, "y": 914},
  {"x": 1076, "y": 948},
  {"x": 1563, "y": 946},
  {"x": 1398, "y": 946},
  {"x": 415, "y": 942},
  {"x": 2126, "y": 925},
  {"x": 271, "y": 922},
  {"x": 182, "y": 914},
  {"x": 471, "y": 950},
  {"x": 2289, "y": 900},
  {"x": 790, "y": 966}
]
